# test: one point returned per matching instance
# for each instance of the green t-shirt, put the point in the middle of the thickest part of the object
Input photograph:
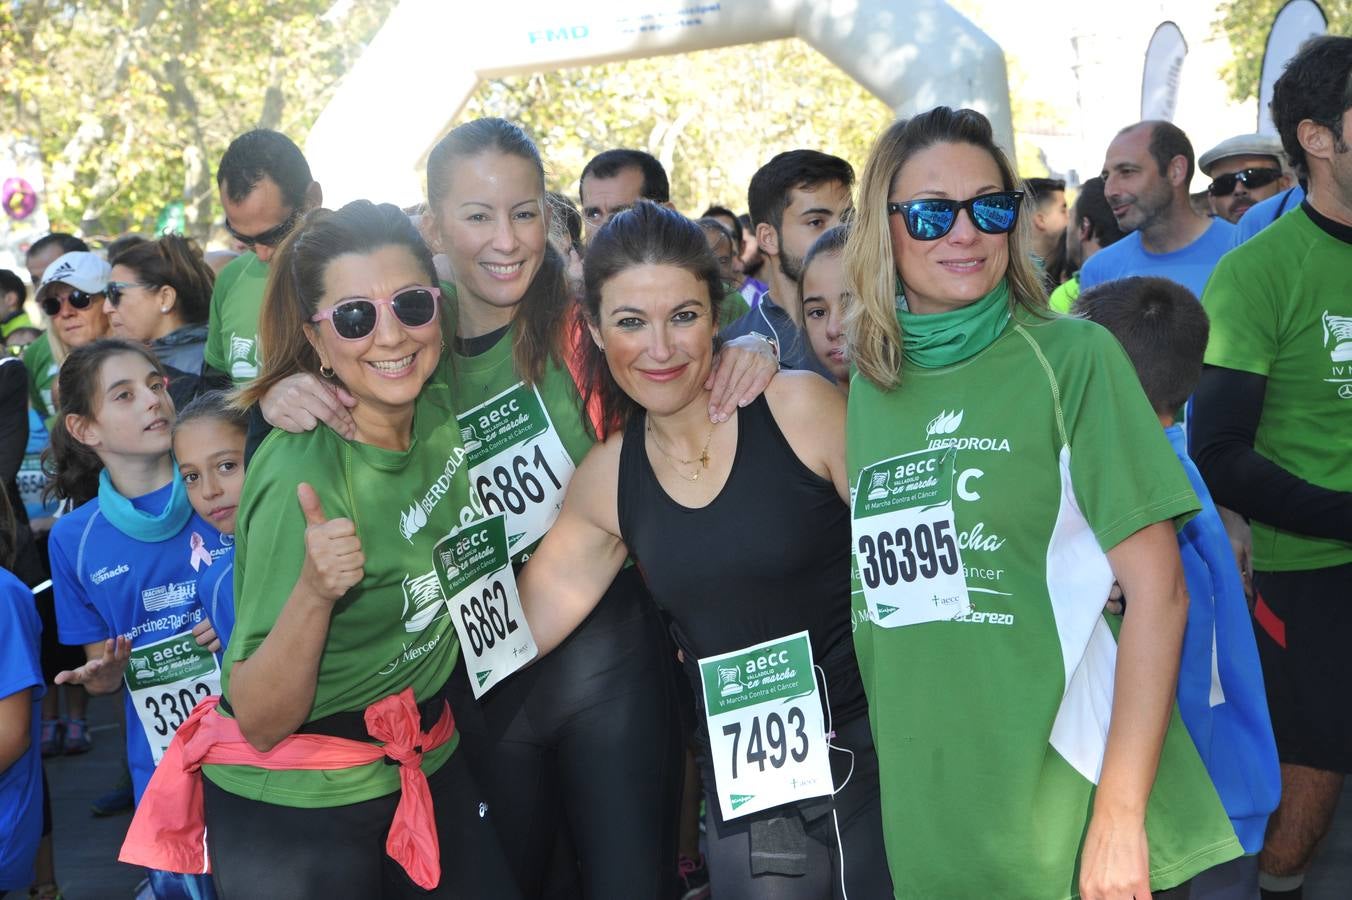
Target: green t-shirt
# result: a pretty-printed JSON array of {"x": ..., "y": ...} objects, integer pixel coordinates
[
  {"x": 232, "y": 329},
  {"x": 523, "y": 443},
  {"x": 390, "y": 632},
  {"x": 732, "y": 308},
  {"x": 990, "y": 728},
  {"x": 1065, "y": 295},
  {"x": 42, "y": 371},
  {"x": 1280, "y": 307}
]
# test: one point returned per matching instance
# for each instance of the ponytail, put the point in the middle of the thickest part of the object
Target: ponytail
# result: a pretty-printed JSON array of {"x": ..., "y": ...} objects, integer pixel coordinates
[{"x": 175, "y": 261}]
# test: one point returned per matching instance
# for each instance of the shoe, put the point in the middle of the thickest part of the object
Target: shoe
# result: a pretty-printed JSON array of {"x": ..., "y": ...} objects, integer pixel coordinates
[
  {"x": 118, "y": 800},
  {"x": 77, "y": 738},
  {"x": 693, "y": 879},
  {"x": 53, "y": 737}
]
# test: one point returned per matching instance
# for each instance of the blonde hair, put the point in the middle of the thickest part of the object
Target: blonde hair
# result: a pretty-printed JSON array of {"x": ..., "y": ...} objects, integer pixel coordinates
[{"x": 872, "y": 332}]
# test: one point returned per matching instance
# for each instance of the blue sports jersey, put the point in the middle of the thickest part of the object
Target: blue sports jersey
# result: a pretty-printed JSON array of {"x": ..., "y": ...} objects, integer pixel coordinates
[
  {"x": 1190, "y": 267},
  {"x": 21, "y": 783},
  {"x": 1265, "y": 212},
  {"x": 1220, "y": 682},
  {"x": 108, "y": 583},
  {"x": 216, "y": 584}
]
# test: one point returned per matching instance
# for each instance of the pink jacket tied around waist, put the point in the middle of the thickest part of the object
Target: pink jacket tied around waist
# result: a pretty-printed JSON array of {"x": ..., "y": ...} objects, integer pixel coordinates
[{"x": 168, "y": 831}]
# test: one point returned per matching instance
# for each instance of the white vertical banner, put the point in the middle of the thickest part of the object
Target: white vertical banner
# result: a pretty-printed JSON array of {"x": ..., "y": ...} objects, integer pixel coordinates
[
  {"x": 1163, "y": 69},
  {"x": 1297, "y": 22}
]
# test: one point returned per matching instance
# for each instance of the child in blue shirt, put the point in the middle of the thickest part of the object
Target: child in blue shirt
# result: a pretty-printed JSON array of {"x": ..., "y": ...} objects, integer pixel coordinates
[
  {"x": 122, "y": 562},
  {"x": 21, "y": 692},
  {"x": 1220, "y": 682},
  {"x": 209, "y": 448}
]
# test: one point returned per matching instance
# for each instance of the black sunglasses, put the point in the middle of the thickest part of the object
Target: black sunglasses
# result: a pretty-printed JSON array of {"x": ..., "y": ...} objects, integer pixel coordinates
[
  {"x": 355, "y": 319},
  {"x": 77, "y": 299},
  {"x": 270, "y": 238},
  {"x": 117, "y": 288},
  {"x": 932, "y": 218},
  {"x": 1224, "y": 186}
]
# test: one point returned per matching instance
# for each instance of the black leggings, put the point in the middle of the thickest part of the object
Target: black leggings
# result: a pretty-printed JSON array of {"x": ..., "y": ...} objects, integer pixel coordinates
[
  {"x": 857, "y": 826},
  {"x": 262, "y": 850},
  {"x": 585, "y": 742}
]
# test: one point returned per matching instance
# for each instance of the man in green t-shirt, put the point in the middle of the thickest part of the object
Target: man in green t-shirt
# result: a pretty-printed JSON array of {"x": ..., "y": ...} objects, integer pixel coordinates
[
  {"x": 1272, "y": 428},
  {"x": 265, "y": 189}
]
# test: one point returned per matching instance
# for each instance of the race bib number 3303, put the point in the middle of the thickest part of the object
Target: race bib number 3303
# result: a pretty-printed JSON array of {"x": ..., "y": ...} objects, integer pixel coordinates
[
  {"x": 766, "y": 732},
  {"x": 518, "y": 465},
  {"x": 906, "y": 542},
  {"x": 476, "y": 574},
  {"x": 166, "y": 680}
]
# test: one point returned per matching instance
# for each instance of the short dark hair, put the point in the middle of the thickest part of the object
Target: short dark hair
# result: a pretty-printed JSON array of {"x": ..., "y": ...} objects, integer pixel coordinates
[
  {"x": 1167, "y": 140},
  {"x": 715, "y": 211},
  {"x": 1039, "y": 189},
  {"x": 1316, "y": 85},
  {"x": 1091, "y": 204},
  {"x": 262, "y": 153},
  {"x": 13, "y": 284},
  {"x": 610, "y": 163},
  {"x": 68, "y": 243},
  {"x": 1163, "y": 328},
  {"x": 768, "y": 196},
  {"x": 120, "y": 245}
]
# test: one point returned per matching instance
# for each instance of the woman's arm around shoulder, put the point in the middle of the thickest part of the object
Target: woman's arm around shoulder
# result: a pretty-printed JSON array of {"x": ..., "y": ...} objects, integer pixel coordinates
[
  {"x": 810, "y": 411},
  {"x": 580, "y": 555}
]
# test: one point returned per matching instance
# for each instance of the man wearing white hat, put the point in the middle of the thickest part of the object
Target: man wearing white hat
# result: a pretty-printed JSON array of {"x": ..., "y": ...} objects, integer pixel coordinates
[{"x": 1244, "y": 169}]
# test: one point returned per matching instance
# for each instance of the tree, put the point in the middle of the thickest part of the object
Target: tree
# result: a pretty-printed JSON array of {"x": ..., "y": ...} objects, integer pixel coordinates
[
  {"x": 133, "y": 101},
  {"x": 712, "y": 117},
  {"x": 1246, "y": 24}
]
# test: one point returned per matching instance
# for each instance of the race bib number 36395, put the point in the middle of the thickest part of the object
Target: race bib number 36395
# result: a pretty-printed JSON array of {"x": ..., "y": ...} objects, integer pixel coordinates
[
  {"x": 166, "y": 680},
  {"x": 518, "y": 465},
  {"x": 905, "y": 540},
  {"x": 476, "y": 574},
  {"x": 765, "y": 725}
]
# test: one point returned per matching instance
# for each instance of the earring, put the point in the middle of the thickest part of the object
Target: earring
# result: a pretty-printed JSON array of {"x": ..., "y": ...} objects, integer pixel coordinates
[
  {"x": 164, "y": 309},
  {"x": 326, "y": 371},
  {"x": 602, "y": 348}
]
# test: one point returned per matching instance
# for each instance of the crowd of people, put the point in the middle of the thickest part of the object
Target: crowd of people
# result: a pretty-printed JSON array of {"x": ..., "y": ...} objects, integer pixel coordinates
[{"x": 919, "y": 534}]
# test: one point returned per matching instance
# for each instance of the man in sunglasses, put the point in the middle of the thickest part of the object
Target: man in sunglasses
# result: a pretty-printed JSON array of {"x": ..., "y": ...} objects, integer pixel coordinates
[
  {"x": 265, "y": 189},
  {"x": 1244, "y": 170},
  {"x": 1146, "y": 173}
]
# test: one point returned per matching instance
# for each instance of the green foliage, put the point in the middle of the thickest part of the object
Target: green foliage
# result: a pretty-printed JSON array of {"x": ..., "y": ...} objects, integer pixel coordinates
[
  {"x": 132, "y": 102},
  {"x": 1245, "y": 23},
  {"x": 712, "y": 117}
]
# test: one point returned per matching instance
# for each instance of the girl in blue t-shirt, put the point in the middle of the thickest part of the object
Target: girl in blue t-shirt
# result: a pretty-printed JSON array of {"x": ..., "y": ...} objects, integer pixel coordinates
[
  {"x": 124, "y": 563},
  {"x": 21, "y": 690},
  {"x": 209, "y": 447}
]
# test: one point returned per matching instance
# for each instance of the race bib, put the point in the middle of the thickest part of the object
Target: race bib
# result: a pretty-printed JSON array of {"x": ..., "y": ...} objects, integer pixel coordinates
[
  {"x": 518, "y": 465},
  {"x": 166, "y": 680},
  {"x": 766, "y": 731},
  {"x": 475, "y": 569},
  {"x": 905, "y": 541}
]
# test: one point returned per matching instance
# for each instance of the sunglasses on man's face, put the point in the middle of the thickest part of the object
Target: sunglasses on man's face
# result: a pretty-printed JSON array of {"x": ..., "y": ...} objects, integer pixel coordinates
[
  {"x": 51, "y": 304},
  {"x": 932, "y": 218},
  {"x": 270, "y": 238},
  {"x": 1224, "y": 186},
  {"x": 355, "y": 319}
]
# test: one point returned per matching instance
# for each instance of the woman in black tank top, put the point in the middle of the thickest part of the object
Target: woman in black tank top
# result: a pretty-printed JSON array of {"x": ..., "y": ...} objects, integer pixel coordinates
[{"x": 742, "y": 532}]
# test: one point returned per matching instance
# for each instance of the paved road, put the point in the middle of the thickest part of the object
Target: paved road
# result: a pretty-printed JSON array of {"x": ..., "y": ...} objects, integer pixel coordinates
[{"x": 86, "y": 848}]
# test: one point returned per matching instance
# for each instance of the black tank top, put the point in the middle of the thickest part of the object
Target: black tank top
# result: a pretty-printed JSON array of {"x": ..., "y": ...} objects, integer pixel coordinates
[{"x": 766, "y": 558}]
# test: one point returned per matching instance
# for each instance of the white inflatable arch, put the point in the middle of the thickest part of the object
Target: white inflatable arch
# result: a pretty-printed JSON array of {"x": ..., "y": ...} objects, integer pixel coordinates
[{"x": 429, "y": 56}]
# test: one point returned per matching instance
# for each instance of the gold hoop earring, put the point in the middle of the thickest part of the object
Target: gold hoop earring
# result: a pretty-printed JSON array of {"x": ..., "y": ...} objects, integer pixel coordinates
[{"x": 326, "y": 372}]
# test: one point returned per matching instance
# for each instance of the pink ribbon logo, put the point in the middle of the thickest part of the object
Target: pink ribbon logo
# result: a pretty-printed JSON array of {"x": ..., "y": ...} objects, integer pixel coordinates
[{"x": 200, "y": 555}]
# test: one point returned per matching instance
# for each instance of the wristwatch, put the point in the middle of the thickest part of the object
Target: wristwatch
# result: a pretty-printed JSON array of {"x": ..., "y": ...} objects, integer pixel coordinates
[{"x": 774, "y": 344}]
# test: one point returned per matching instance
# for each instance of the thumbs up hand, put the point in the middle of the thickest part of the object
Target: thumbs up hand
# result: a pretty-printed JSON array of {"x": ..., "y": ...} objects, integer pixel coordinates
[{"x": 334, "y": 562}]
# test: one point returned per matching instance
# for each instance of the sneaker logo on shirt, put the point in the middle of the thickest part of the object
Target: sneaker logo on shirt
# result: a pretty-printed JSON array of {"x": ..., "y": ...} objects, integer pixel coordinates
[
  {"x": 1338, "y": 341},
  {"x": 105, "y": 573},
  {"x": 423, "y": 599}
]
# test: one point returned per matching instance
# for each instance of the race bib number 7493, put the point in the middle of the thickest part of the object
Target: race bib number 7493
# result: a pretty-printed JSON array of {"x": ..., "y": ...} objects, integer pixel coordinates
[
  {"x": 766, "y": 731},
  {"x": 905, "y": 541}
]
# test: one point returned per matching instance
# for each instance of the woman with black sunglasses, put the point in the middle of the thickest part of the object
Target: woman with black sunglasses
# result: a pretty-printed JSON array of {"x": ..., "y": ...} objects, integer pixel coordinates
[
  {"x": 342, "y": 635},
  {"x": 1006, "y": 468},
  {"x": 71, "y": 297},
  {"x": 159, "y": 295}
]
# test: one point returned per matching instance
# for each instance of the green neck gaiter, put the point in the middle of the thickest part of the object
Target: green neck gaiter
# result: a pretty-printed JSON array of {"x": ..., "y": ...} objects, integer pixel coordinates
[{"x": 944, "y": 339}]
